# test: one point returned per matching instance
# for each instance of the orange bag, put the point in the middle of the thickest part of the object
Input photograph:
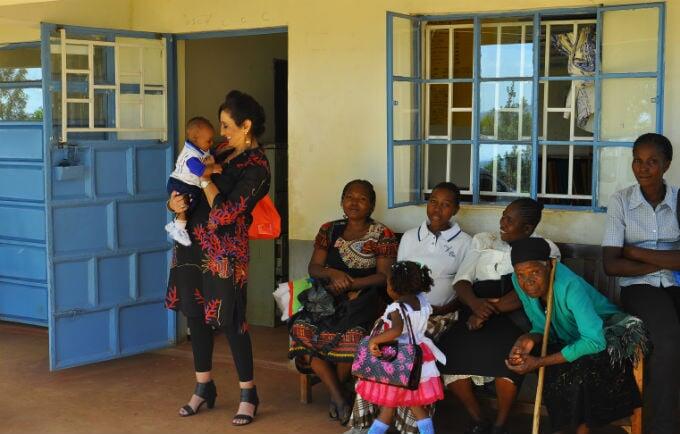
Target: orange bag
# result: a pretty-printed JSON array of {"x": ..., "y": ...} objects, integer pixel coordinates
[{"x": 266, "y": 221}]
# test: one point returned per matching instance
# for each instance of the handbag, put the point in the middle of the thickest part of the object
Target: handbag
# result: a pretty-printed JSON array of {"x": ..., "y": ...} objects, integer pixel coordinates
[
  {"x": 266, "y": 221},
  {"x": 398, "y": 365}
]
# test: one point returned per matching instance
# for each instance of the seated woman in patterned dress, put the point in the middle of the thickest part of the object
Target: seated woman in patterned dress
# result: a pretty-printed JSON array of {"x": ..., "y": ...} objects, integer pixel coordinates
[
  {"x": 351, "y": 260},
  {"x": 592, "y": 344}
]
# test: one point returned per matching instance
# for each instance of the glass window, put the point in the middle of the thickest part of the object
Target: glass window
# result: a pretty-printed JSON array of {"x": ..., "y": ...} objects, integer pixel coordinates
[{"x": 492, "y": 111}]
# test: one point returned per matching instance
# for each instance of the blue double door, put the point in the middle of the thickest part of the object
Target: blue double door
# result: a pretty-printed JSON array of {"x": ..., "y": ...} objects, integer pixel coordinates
[{"x": 82, "y": 242}]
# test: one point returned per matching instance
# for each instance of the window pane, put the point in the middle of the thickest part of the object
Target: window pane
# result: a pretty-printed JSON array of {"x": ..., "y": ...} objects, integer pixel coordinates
[
  {"x": 76, "y": 56},
  {"x": 556, "y": 165},
  {"x": 463, "y": 39},
  {"x": 461, "y": 166},
  {"x": 500, "y": 106},
  {"x": 505, "y": 51},
  {"x": 489, "y": 51},
  {"x": 77, "y": 86},
  {"x": 404, "y": 34},
  {"x": 77, "y": 115},
  {"x": 615, "y": 172},
  {"x": 504, "y": 168},
  {"x": 571, "y": 49},
  {"x": 630, "y": 40},
  {"x": 462, "y": 95},
  {"x": 104, "y": 108},
  {"x": 405, "y": 111},
  {"x": 439, "y": 53},
  {"x": 21, "y": 105},
  {"x": 20, "y": 64},
  {"x": 406, "y": 163},
  {"x": 153, "y": 65},
  {"x": 439, "y": 110},
  {"x": 104, "y": 65},
  {"x": 628, "y": 108},
  {"x": 461, "y": 125},
  {"x": 436, "y": 164},
  {"x": 129, "y": 60}
]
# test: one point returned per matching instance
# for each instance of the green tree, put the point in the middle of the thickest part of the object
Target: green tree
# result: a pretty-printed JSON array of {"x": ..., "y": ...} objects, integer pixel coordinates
[
  {"x": 13, "y": 101},
  {"x": 508, "y": 129}
]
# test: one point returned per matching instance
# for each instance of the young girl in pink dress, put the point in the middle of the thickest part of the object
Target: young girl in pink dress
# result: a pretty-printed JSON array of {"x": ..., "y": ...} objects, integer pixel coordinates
[{"x": 406, "y": 286}]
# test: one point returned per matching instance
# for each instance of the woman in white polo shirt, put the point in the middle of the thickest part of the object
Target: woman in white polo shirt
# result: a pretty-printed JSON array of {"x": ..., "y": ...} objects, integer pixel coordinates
[{"x": 440, "y": 244}]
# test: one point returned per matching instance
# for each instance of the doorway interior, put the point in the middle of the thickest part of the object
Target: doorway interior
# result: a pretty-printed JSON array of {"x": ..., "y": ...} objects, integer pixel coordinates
[{"x": 209, "y": 66}]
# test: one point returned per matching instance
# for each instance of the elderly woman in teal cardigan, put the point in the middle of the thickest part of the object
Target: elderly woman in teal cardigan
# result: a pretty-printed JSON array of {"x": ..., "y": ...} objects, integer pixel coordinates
[{"x": 591, "y": 346}]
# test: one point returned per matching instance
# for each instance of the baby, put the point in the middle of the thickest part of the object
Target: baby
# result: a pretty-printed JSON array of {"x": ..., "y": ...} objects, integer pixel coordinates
[{"x": 193, "y": 162}]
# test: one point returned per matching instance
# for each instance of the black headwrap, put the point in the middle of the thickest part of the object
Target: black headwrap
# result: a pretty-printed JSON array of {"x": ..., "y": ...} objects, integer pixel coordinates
[{"x": 529, "y": 249}]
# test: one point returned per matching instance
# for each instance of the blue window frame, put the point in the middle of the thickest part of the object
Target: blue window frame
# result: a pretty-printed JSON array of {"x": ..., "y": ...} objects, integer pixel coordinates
[{"x": 538, "y": 104}]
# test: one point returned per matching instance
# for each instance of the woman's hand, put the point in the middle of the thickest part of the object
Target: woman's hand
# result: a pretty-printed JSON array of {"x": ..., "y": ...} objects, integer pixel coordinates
[
  {"x": 177, "y": 203},
  {"x": 483, "y": 308},
  {"x": 475, "y": 322},
  {"x": 374, "y": 348},
  {"x": 521, "y": 348},
  {"x": 340, "y": 282},
  {"x": 527, "y": 364}
]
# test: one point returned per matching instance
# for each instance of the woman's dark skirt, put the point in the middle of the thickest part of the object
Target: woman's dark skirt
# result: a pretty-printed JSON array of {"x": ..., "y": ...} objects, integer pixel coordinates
[
  {"x": 589, "y": 391},
  {"x": 480, "y": 352}
]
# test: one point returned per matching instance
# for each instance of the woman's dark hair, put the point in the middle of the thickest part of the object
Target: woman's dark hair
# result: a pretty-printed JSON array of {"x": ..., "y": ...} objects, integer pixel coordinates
[
  {"x": 529, "y": 209},
  {"x": 409, "y": 277},
  {"x": 367, "y": 185},
  {"x": 451, "y": 187},
  {"x": 660, "y": 141},
  {"x": 242, "y": 106}
]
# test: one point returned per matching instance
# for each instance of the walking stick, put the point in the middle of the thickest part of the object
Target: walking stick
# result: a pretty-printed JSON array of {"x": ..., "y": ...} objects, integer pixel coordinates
[{"x": 544, "y": 349}]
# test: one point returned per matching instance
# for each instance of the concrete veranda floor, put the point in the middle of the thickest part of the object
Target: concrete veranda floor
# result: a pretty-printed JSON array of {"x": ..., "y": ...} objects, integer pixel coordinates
[{"x": 141, "y": 394}]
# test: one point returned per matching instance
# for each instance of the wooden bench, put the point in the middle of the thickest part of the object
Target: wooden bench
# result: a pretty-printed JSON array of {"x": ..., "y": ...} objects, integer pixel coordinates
[{"x": 586, "y": 261}]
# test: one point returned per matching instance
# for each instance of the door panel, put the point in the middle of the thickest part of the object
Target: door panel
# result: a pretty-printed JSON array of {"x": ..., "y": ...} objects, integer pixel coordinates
[{"x": 106, "y": 203}]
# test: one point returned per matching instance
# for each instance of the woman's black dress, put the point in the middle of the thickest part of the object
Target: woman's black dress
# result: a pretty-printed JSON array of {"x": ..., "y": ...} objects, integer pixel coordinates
[{"x": 209, "y": 278}]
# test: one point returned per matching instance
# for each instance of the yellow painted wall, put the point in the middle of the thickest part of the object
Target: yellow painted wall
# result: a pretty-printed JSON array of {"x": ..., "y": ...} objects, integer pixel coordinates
[
  {"x": 337, "y": 114},
  {"x": 21, "y": 22}
]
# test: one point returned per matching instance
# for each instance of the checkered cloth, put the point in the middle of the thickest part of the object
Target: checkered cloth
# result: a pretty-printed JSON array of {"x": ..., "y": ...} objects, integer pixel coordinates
[{"x": 364, "y": 412}]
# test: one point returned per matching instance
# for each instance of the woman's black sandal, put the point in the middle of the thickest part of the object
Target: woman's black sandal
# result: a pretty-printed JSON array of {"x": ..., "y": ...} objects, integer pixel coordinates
[
  {"x": 208, "y": 392},
  {"x": 249, "y": 396}
]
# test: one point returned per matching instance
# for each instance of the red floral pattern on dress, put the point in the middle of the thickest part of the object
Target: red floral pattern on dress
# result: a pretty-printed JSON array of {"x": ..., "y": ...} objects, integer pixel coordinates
[
  {"x": 211, "y": 310},
  {"x": 198, "y": 296},
  {"x": 171, "y": 298}
]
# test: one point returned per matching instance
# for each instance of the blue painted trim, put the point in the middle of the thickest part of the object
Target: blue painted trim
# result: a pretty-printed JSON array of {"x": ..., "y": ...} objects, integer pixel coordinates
[
  {"x": 402, "y": 15},
  {"x": 608, "y": 75},
  {"x": 501, "y": 79},
  {"x": 21, "y": 84},
  {"x": 231, "y": 33},
  {"x": 595, "y": 181},
  {"x": 660, "y": 69},
  {"x": 17, "y": 45},
  {"x": 536, "y": 48},
  {"x": 476, "y": 73},
  {"x": 107, "y": 33},
  {"x": 390, "y": 110},
  {"x": 45, "y": 60},
  {"x": 566, "y": 142},
  {"x": 407, "y": 79},
  {"x": 24, "y": 320},
  {"x": 633, "y": 6},
  {"x": 607, "y": 144},
  {"x": 509, "y": 14},
  {"x": 505, "y": 142},
  {"x": 446, "y": 142},
  {"x": 444, "y": 80}
]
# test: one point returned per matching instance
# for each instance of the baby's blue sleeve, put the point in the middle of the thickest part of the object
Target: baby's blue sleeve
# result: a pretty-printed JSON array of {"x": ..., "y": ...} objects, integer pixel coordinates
[{"x": 196, "y": 166}]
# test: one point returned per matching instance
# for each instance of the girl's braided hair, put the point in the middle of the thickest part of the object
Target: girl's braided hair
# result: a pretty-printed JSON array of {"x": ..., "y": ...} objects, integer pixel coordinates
[{"x": 409, "y": 277}]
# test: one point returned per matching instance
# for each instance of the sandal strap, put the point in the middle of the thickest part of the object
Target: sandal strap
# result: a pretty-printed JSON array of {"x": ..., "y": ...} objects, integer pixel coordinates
[
  {"x": 204, "y": 389},
  {"x": 250, "y": 396},
  {"x": 189, "y": 410},
  {"x": 244, "y": 417}
]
